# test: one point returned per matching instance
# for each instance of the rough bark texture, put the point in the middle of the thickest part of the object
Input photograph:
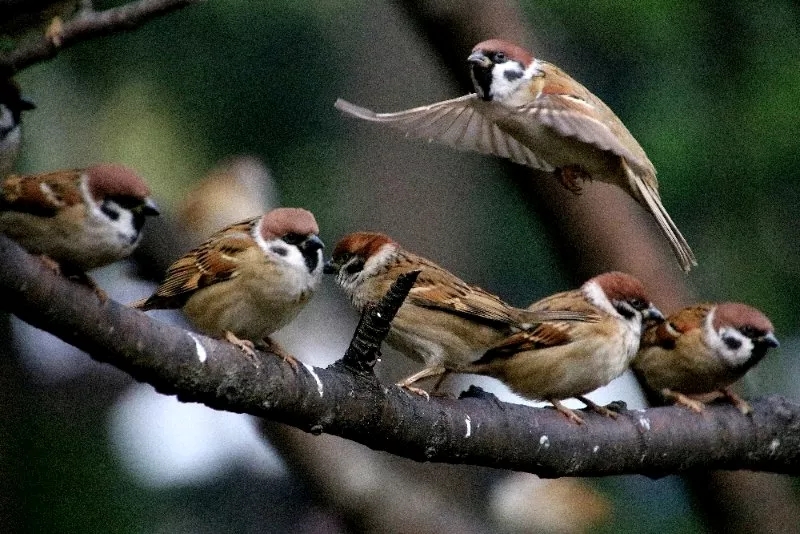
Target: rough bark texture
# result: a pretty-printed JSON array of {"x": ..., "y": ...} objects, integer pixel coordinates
[{"x": 476, "y": 429}]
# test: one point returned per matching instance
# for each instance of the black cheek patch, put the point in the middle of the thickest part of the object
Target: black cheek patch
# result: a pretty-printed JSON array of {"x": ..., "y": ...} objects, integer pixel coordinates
[
  {"x": 732, "y": 343},
  {"x": 512, "y": 75},
  {"x": 280, "y": 251}
]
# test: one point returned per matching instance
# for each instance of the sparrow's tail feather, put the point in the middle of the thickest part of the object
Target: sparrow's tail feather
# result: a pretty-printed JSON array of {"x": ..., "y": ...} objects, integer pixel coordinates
[
  {"x": 530, "y": 318},
  {"x": 648, "y": 195}
]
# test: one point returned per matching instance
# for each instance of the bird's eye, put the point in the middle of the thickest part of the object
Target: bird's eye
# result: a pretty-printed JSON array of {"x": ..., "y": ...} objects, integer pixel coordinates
[
  {"x": 751, "y": 332},
  {"x": 637, "y": 304},
  {"x": 499, "y": 57},
  {"x": 293, "y": 239}
]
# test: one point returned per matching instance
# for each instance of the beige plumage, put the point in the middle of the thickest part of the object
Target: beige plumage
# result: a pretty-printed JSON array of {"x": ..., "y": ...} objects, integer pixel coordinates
[
  {"x": 247, "y": 280},
  {"x": 82, "y": 219},
  {"x": 444, "y": 322},
  {"x": 534, "y": 114},
  {"x": 562, "y": 360},
  {"x": 703, "y": 349}
]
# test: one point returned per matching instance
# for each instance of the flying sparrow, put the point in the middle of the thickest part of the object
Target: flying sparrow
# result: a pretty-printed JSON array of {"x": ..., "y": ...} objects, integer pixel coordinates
[
  {"x": 82, "y": 218},
  {"x": 703, "y": 349},
  {"x": 12, "y": 104},
  {"x": 247, "y": 280},
  {"x": 557, "y": 361},
  {"x": 444, "y": 322},
  {"x": 533, "y": 113}
]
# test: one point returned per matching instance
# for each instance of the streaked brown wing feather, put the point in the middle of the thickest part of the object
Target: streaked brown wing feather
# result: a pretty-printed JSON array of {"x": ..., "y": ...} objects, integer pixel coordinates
[
  {"x": 460, "y": 123},
  {"x": 457, "y": 296},
  {"x": 210, "y": 263},
  {"x": 42, "y": 194}
]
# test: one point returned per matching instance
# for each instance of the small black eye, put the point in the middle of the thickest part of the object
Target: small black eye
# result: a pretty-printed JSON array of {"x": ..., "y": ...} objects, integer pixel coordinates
[
  {"x": 355, "y": 266},
  {"x": 499, "y": 57},
  {"x": 637, "y": 304},
  {"x": 293, "y": 239},
  {"x": 751, "y": 332}
]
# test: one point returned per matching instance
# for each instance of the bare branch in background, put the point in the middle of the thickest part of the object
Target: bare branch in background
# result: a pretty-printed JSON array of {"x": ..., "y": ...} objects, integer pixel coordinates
[
  {"x": 88, "y": 24},
  {"x": 476, "y": 429}
]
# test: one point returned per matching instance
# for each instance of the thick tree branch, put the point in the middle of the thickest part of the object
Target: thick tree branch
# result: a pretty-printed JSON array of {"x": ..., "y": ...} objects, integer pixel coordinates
[
  {"x": 87, "y": 25},
  {"x": 476, "y": 429}
]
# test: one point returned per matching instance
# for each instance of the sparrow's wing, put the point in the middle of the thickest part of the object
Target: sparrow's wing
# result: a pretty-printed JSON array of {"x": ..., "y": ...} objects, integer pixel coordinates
[
  {"x": 43, "y": 194},
  {"x": 460, "y": 298},
  {"x": 212, "y": 262},
  {"x": 461, "y": 123},
  {"x": 572, "y": 110},
  {"x": 457, "y": 297}
]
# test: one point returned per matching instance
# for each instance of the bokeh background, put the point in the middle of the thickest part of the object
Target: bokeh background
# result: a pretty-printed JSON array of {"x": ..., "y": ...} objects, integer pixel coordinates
[{"x": 710, "y": 89}]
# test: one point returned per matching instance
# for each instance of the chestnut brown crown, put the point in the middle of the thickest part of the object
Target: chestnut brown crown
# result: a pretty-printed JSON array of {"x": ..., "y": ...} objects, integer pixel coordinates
[
  {"x": 281, "y": 222},
  {"x": 363, "y": 244},
  {"x": 493, "y": 48},
  {"x": 110, "y": 180},
  {"x": 742, "y": 317},
  {"x": 621, "y": 286}
]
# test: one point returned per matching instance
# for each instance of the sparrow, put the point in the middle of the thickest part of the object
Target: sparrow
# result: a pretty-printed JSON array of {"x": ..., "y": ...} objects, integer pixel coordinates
[
  {"x": 12, "y": 104},
  {"x": 561, "y": 360},
  {"x": 81, "y": 219},
  {"x": 444, "y": 322},
  {"x": 247, "y": 280},
  {"x": 533, "y": 113},
  {"x": 703, "y": 349}
]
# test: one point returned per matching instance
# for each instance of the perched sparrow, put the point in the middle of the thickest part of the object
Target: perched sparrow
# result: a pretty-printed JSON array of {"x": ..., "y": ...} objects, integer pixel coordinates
[
  {"x": 12, "y": 104},
  {"x": 533, "y": 113},
  {"x": 444, "y": 322},
  {"x": 562, "y": 360},
  {"x": 247, "y": 280},
  {"x": 703, "y": 349},
  {"x": 82, "y": 219}
]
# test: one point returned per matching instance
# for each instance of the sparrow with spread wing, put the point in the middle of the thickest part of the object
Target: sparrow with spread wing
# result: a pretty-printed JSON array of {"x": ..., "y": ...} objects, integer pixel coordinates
[{"x": 533, "y": 113}]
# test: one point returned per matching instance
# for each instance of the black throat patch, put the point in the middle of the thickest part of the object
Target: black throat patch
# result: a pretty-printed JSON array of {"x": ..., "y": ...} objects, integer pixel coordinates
[{"x": 482, "y": 78}]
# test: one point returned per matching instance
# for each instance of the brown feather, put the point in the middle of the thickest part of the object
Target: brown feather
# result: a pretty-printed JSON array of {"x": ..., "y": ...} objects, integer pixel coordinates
[{"x": 212, "y": 262}]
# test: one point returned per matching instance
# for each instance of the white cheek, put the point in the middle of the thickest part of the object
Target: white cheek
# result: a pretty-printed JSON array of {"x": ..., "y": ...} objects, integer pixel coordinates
[
  {"x": 125, "y": 228},
  {"x": 296, "y": 273},
  {"x": 595, "y": 294},
  {"x": 737, "y": 356},
  {"x": 506, "y": 81},
  {"x": 6, "y": 119},
  {"x": 354, "y": 284}
]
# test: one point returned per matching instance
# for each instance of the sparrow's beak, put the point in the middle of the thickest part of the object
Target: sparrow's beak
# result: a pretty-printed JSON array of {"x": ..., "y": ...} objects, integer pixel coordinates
[
  {"x": 652, "y": 314},
  {"x": 150, "y": 207},
  {"x": 312, "y": 244},
  {"x": 25, "y": 104},
  {"x": 479, "y": 59},
  {"x": 769, "y": 340},
  {"x": 330, "y": 267}
]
